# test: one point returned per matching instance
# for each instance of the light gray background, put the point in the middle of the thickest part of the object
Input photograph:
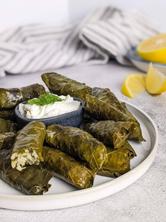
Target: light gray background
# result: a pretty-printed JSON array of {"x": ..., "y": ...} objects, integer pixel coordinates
[{"x": 64, "y": 11}]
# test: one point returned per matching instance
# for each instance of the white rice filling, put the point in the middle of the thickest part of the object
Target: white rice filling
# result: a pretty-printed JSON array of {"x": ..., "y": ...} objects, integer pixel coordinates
[{"x": 20, "y": 160}]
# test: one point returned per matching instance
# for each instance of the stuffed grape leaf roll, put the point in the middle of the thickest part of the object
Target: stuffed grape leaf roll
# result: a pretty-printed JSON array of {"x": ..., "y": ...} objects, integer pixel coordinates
[
  {"x": 67, "y": 168},
  {"x": 105, "y": 95},
  {"x": 78, "y": 144},
  {"x": 117, "y": 161},
  {"x": 102, "y": 110},
  {"x": 126, "y": 147},
  {"x": 9, "y": 98},
  {"x": 7, "y": 133},
  {"x": 33, "y": 180},
  {"x": 62, "y": 85},
  {"x": 111, "y": 133},
  {"x": 7, "y": 126},
  {"x": 32, "y": 91},
  {"x": 136, "y": 133},
  {"x": 27, "y": 149},
  {"x": 7, "y": 114},
  {"x": 7, "y": 140}
]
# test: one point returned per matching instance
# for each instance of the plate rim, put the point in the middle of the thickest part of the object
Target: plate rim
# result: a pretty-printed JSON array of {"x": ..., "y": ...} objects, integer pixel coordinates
[
  {"x": 52, "y": 198},
  {"x": 133, "y": 56}
]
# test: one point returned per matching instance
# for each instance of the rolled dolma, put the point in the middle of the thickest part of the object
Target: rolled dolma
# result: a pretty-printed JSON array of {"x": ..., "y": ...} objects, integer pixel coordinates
[
  {"x": 117, "y": 161},
  {"x": 105, "y": 95},
  {"x": 7, "y": 126},
  {"x": 32, "y": 91},
  {"x": 62, "y": 85},
  {"x": 136, "y": 133},
  {"x": 102, "y": 110},
  {"x": 7, "y": 114},
  {"x": 7, "y": 140},
  {"x": 32, "y": 180},
  {"x": 111, "y": 133},
  {"x": 94, "y": 105},
  {"x": 78, "y": 144},
  {"x": 67, "y": 168},
  {"x": 7, "y": 133},
  {"x": 27, "y": 149},
  {"x": 9, "y": 98},
  {"x": 130, "y": 152}
]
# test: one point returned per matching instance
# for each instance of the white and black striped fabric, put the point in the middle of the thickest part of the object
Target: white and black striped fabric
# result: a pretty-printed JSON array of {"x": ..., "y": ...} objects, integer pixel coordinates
[{"x": 107, "y": 32}]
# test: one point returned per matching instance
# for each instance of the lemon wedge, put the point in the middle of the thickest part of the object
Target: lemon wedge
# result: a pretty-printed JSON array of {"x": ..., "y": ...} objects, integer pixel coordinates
[
  {"x": 133, "y": 85},
  {"x": 153, "y": 49},
  {"x": 155, "y": 81}
]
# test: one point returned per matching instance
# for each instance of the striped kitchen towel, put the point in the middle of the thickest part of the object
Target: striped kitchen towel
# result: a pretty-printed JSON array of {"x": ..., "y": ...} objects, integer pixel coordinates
[{"x": 106, "y": 33}]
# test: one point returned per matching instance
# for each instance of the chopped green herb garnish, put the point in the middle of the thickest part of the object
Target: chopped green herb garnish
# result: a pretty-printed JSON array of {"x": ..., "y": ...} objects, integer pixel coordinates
[{"x": 45, "y": 99}]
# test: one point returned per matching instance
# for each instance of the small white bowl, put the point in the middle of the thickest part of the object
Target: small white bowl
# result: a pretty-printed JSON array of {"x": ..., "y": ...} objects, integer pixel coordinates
[{"x": 73, "y": 118}]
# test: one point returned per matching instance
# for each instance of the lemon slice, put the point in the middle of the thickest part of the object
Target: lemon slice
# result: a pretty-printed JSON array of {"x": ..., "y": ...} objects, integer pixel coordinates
[
  {"x": 155, "y": 81},
  {"x": 133, "y": 85},
  {"x": 153, "y": 49}
]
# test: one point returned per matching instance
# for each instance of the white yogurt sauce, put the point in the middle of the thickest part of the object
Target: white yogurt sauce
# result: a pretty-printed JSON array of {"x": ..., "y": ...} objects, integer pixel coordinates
[{"x": 68, "y": 104}]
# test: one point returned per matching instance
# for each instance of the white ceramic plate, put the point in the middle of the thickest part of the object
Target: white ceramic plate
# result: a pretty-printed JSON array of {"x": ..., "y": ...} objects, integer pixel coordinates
[
  {"x": 61, "y": 195},
  {"x": 143, "y": 64}
]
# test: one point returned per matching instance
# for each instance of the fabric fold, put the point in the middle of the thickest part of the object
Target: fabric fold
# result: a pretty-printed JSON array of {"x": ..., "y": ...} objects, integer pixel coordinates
[{"x": 106, "y": 33}]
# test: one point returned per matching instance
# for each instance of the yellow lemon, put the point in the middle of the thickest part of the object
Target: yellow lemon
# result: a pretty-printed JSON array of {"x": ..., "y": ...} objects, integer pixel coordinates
[
  {"x": 155, "y": 81},
  {"x": 153, "y": 49},
  {"x": 133, "y": 85}
]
